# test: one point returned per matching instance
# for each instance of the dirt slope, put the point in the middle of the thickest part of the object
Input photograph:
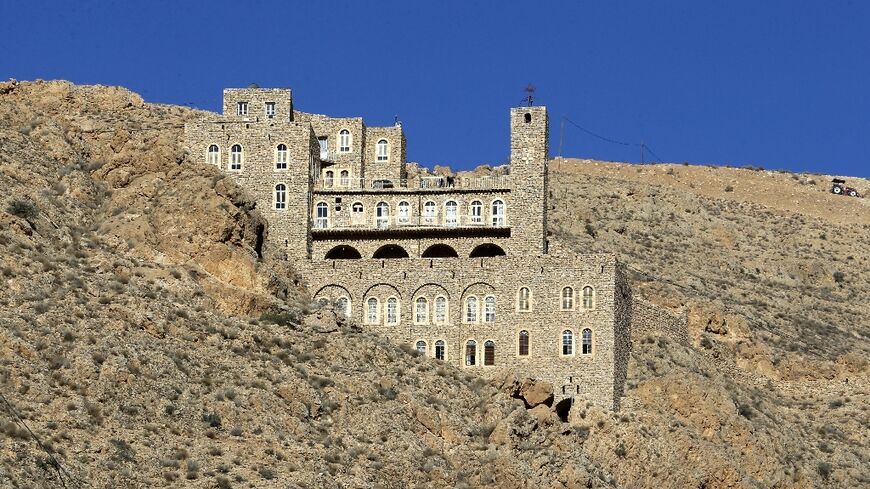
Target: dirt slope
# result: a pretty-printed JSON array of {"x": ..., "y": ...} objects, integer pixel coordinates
[{"x": 133, "y": 339}]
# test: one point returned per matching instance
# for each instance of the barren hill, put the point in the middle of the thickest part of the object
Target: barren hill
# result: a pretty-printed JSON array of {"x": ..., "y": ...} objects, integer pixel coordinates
[{"x": 148, "y": 338}]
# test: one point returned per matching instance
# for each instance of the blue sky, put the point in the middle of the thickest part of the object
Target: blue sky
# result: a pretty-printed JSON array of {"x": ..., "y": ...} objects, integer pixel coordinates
[{"x": 778, "y": 84}]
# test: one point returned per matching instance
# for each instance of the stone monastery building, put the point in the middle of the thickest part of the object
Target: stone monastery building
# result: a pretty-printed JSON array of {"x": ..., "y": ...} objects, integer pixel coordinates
[{"x": 460, "y": 267}]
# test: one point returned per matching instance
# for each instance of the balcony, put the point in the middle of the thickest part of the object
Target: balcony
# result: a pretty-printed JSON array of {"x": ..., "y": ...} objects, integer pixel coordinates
[
  {"x": 435, "y": 184},
  {"x": 410, "y": 226}
]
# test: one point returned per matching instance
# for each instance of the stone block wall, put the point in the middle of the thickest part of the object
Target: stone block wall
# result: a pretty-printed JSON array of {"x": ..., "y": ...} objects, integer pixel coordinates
[
  {"x": 530, "y": 173},
  {"x": 588, "y": 377},
  {"x": 394, "y": 168},
  {"x": 257, "y": 99},
  {"x": 648, "y": 319}
]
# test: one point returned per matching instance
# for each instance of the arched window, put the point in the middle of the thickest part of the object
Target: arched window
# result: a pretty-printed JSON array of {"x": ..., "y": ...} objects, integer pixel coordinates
[
  {"x": 588, "y": 297},
  {"x": 567, "y": 342},
  {"x": 214, "y": 155},
  {"x": 489, "y": 309},
  {"x": 524, "y": 299},
  {"x": 344, "y": 141},
  {"x": 357, "y": 216},
  {"x": 527, "y": 118},
  {"x": 440, "y": 350},
  {"x": 421, "y": 347},
  {"x": 586, "y": 341},
  {"x": 429, "y": 212},
  {"x": 280, "y": 196},
  {"x": 322, "y": 219},
  {"x": 392, "y": 310},
  {"x": 476, "y": 212},
  {"x": 471, "y": 310},
  {"x": 382, "y": 215},
  {"x": 497, "y": 213},
  {"x": 421, "y": 311},
  {"x": 342, "y": 306},
  {"x": 524, "y": 343},
  {"x": 404, "y": 212},
  {"x": 440, "y": 309},
  {"x": 281, "y": 157},
  {"x": 236, "y": 157},
  {"x": 471, "y": 353},
  {"x": 567, "y": 299},
  {"x": 344, "y": 179},
  {"x": 383, "y": 150},
  {"x": 489, "y": 353},
  {"x": 372, "y": 311},
  {"x": 328, "y": 178},
  {"x": 450, "y": 211}
]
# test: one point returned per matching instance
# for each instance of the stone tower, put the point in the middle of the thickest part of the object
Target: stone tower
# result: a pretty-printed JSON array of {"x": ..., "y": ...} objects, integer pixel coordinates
[{"x": 529, "y": 175}]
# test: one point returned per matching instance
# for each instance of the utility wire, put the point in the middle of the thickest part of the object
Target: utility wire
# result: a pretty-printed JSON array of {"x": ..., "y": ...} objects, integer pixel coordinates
[
  {"x": 61, "y": 471},
  {"x": 642, "y": 146}
]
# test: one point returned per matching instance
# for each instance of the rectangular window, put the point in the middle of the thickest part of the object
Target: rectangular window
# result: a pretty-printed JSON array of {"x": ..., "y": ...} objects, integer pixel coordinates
[
  {"x": 324, "y": 148},
  {"x": 270, "y": 109},
  {"x": 439, "y": 350},
  {"x": 242, "y": 108}
]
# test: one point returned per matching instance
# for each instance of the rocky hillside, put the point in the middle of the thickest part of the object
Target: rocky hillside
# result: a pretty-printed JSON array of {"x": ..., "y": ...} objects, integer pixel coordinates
[{"x": 148, "y": 338}]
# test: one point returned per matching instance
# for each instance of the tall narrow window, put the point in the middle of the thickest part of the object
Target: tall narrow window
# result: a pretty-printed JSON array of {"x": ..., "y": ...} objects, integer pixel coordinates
[
  {"x": 567, "y": 342},
  {"x": 586, "y": 341},
  {"x": 328, "y": 179},
  {"x": 344, "y": 141},
  {"x": 280, "y": 196},
  {"x": 429, "y": 212},
  {"x": 383, "y": 150},
  {"x": 523, "y": 299},
  {"x": 471, "y": 353},
  {"x": 270, "y": 109},
  {"x": 440, "y": 309},
  {"x": 236, "y": 157},
  {"x": 404, "y": 212},
  {"x": 421, "y": 314},
  {"x": 588, "y": 297},
  {"x": 357, "y": 215},
  {"x": 242, "y": 108},
  {"x": 476, "y": 212},
  {"x": 322, "y": 219},
  {"x": 567, "y": 299},
  {"x": 524, "y": 343},
  {"x": 497, "y": 213},
  {"x": 342, "y": 306},
  {"x": 372, "y": 310},
  {"x": 281, "y": 157},
  {"x": 323, "y": 142},
  {"x": 392, "y": 310},
  {"x": 489, "y": 309},
  {"x": 450, "y": 211},
  {"x": 214, "y": 155},
  {"x": 471, "y": 310},
  {"x": 382, "y": 215},
  {"x": 344, "y": 179},
  {"x": 489, "y": 353},
  {"x": 440, "y": 350},
  {"x": 421, "y": 347}
]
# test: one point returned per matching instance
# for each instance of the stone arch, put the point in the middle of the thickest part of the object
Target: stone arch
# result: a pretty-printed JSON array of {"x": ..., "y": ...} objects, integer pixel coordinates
[
  {"x": 332, "y": 292},
  {"x": 343, "y": 252},
  {"x": 487, "y": 250},
  {"x": 440, "y": 250},
  {"x": 390, "y": 251},
  {"x": 390, "y": 289},
  {"x": 431, "y": 290},
  {"x": 478, "y": 288}
]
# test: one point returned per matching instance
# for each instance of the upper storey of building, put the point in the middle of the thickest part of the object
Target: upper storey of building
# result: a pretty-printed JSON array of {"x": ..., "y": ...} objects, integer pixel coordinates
[{"x": 327, "y": 179}]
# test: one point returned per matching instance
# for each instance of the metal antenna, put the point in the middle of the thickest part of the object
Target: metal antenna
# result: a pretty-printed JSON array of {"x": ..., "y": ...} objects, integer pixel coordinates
[{"x": 530, "y": 90}]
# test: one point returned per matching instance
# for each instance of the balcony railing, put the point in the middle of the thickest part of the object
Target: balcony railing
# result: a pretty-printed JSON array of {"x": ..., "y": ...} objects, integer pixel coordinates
[
  {"x": 410, "y": 222},
  {"x": 427, "y": 183}
]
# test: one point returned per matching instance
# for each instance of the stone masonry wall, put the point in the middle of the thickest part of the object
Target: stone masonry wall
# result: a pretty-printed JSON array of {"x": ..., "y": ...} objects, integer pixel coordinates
[
  {"x": 588, "y": 377},
  {"x": 648, "y": 319}
]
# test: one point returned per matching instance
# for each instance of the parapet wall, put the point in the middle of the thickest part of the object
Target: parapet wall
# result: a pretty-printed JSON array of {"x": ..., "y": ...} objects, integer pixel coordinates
[{"x": 648, "y": 319}]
